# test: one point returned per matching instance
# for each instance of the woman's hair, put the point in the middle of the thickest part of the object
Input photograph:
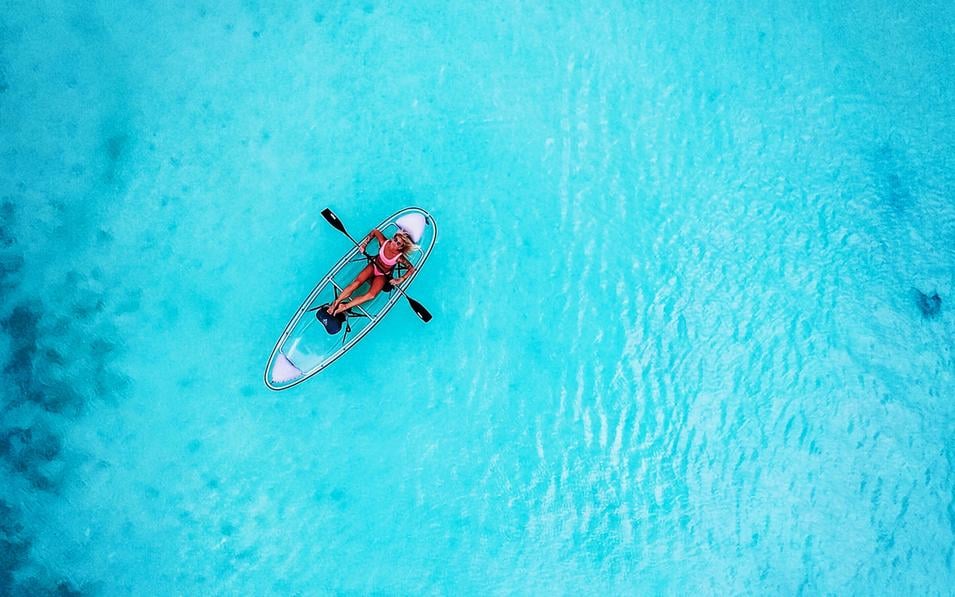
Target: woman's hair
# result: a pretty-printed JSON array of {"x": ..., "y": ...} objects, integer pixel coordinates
[{"x": 407, "y": 246}]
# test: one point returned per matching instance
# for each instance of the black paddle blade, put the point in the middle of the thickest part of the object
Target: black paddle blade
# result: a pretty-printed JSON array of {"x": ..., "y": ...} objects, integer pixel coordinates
[
  {"x": 333, "y": 220},
  {"x": 419, "y": 309}
]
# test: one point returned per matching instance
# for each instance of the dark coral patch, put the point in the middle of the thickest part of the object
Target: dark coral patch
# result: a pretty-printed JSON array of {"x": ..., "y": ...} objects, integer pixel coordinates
[
  {"x": 56, "y": 368},
  {"x": 14, "y": 547},
  {"x": 57, "y": 356},
  {"x": 21, "y": 327},
  {"x": 55, "y": 360},
  {"x": 45, "y": 588},
  {"x": 11, "y": 267},
  {"x": 58, "y": 398},
  {"x": 103, "y": 236},
  {"x": 7, "y": 216},
  {"x": 892, "y": 179},
  {"x": 11, "y": 262},
  {"x": 87, "y": 304},
  {"x": 28, "y": 451},
  {"x": 929, "y": 305},
  {"x": 115, "y": 146},
  {"x": 24, "y": 446},
  {"x": 27, "y": 359}
]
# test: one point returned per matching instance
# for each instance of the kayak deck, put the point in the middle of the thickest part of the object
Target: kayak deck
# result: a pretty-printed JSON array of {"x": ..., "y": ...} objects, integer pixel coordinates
[{"x": 305, "y": 347}]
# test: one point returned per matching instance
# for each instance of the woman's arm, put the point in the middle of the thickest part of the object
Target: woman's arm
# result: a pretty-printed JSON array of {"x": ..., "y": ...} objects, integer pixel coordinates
[
  {"x": 373, "y": 234},
  {"x": 410, "y": 271}
]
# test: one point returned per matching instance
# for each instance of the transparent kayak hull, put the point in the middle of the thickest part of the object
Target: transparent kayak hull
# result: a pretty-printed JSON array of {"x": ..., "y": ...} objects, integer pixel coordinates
[{"x": 305, "y": 347}]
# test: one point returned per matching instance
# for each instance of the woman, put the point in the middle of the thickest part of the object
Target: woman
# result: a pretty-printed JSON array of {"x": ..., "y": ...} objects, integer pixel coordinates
[{"x": 390, "y": 252}]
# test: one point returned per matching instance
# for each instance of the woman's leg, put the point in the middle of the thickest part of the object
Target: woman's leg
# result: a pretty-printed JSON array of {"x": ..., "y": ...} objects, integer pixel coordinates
[
  {"x": 360, "y": 279},
  {"x": 376, "y": 285}
]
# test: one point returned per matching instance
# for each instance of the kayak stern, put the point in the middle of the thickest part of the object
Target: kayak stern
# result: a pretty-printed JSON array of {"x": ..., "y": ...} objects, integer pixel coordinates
[{"x": 283, "y": 370}]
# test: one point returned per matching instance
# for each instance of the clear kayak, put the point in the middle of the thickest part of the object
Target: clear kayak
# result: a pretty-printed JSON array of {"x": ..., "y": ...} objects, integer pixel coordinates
[{"x": 307, "y": 346}]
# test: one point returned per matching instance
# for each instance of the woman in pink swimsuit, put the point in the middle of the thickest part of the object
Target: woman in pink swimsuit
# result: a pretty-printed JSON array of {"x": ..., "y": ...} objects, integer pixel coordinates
[{"x": 390, "y": 253}]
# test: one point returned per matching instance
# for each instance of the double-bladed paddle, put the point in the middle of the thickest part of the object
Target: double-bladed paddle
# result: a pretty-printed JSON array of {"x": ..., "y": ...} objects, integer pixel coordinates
[{"x": 417, "y": 307}]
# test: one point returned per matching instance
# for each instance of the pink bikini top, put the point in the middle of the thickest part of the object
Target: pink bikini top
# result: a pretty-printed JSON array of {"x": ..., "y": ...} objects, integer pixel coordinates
[{"x": 388, "y": 263}]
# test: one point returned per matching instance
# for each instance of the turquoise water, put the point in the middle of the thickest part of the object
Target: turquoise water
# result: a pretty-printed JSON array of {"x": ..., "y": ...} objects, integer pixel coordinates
[{"x": 678, "y": 342}]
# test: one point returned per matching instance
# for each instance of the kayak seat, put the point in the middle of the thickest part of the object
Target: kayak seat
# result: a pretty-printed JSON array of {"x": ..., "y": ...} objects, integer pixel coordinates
[{"x": 332, "y": 324}]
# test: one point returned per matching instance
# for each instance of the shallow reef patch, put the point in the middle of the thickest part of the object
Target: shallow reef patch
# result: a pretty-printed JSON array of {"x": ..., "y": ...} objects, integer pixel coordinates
[
  {"x": 11, "y": 262},
  {"x": 930, "y": 305},
  {"x": 29, "y": 451},
  {"x": 116, "y": 148},
  {"x": 57, "y": 356},
  {"x": 15, "y": 558},
  {"x": 14, "y": 547},
  {"x": 892, "y": 179}
]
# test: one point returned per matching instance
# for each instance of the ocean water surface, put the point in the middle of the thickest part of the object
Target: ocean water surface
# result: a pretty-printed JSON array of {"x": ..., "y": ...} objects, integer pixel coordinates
[{"x": 692, "y": 297}]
